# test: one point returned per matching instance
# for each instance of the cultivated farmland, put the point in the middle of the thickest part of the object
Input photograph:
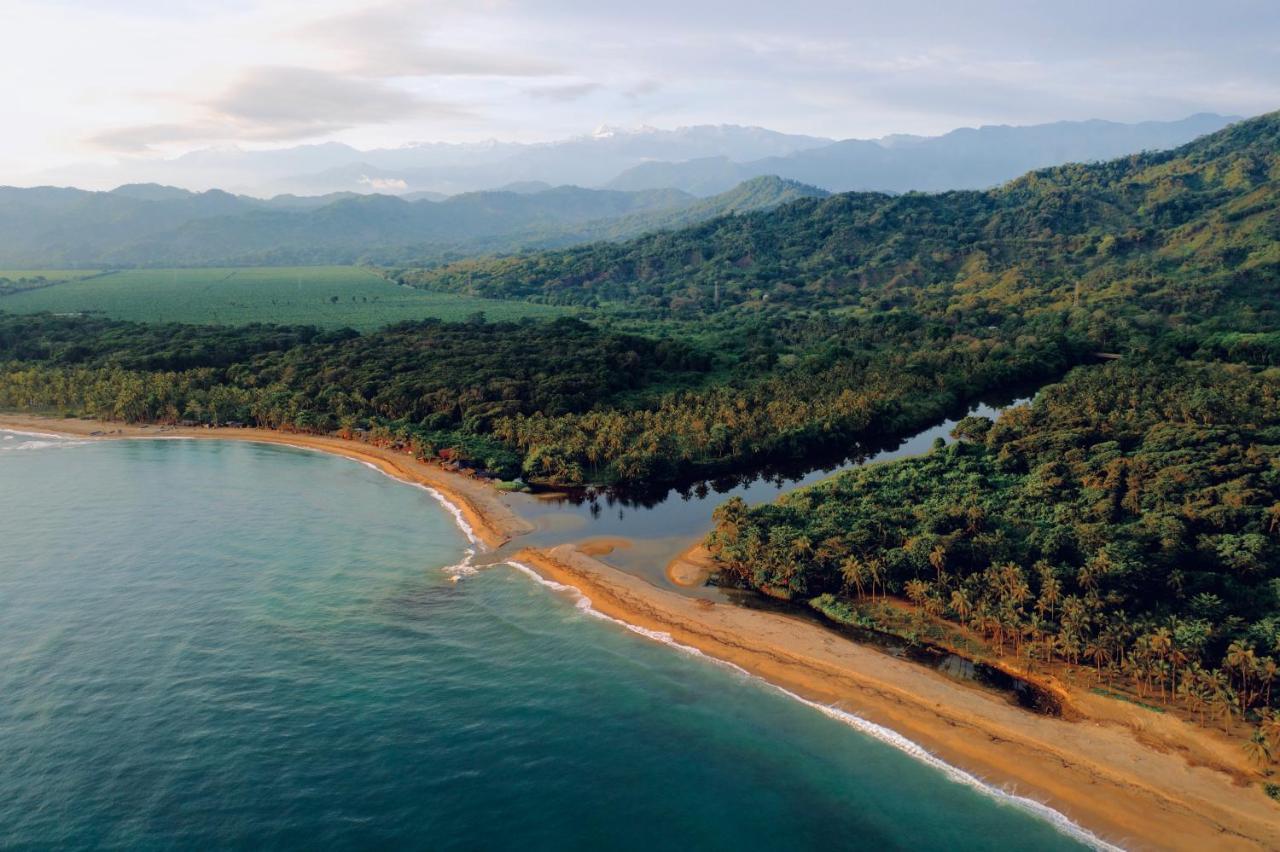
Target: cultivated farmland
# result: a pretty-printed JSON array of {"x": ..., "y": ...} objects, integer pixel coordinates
[{"x": 327, "y": 296}]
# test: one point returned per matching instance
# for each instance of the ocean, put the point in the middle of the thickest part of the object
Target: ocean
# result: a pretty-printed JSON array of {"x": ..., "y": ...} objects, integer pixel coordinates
[{"x": 214, "y": 644}]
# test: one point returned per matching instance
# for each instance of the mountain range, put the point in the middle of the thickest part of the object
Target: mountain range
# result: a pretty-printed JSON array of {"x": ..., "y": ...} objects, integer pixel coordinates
[
  {"x": 151, "y": 224},
  {"x": 962, "y": 159},
  {"x": 702, "y": 160},
  {"x": 154, "y": 225},
  {"x": 1188, "y": 235},
  {"x": 441, "y": 167}
]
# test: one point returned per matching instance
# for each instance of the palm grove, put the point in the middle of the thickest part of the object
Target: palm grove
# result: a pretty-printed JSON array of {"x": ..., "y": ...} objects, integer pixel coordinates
[{"x": 1126, "y": 519}]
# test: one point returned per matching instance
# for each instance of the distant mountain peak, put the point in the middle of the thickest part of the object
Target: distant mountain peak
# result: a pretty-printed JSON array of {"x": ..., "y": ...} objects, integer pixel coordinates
[{"x": 150, "y": 192}]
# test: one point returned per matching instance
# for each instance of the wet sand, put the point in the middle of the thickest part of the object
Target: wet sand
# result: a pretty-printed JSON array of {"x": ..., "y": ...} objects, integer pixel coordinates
[{"x": 692, "y": 568}]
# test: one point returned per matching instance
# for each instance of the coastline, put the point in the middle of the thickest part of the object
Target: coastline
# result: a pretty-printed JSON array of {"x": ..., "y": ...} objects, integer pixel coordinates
[
  {"x": 1097, "y": 772},
  {"x": 492, "y": 522},
  {"x": 1131, "y": 779}
]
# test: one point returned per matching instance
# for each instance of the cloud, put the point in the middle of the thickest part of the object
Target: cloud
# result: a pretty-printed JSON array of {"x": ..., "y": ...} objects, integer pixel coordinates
[
  {"x": 392, "y": 40},
  {"x": 298, "y": 98},
  {"x": 642, "y": 90},
  {"x": 384, "y": 184},
  {"x": 139, "y": 138},
  {"x": 279, "y": 104},
  {"x": 563, "y": 93},
  {"x": 467, "y": 70}
]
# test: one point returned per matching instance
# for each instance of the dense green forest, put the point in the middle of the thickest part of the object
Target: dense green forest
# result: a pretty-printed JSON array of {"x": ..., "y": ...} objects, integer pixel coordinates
[
  {"x": 756, "y": 338},
  {"x": 562, "y": 401},
  {"x": 1128, "y": 518},
  {"x": 438, "y": 385}
]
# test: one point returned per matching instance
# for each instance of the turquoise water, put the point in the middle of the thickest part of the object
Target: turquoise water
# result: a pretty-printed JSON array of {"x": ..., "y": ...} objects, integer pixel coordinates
[{"x": 213, "y": 644}]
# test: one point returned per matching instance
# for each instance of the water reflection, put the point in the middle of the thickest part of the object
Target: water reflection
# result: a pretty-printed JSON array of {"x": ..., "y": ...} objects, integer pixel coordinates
[{"x": 662, "y": 524}]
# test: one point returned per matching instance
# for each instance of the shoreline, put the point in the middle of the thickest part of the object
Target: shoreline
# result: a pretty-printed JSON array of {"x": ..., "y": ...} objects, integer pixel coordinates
[
  {"x": 1097, "y": 774},
  {"x": 1117, "y": 775},
  {"x": 490, "y": 520}
]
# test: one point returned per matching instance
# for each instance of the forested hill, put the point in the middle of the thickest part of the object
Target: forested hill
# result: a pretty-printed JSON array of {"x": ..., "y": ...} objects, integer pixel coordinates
[{"x": 1191, "y": 231}]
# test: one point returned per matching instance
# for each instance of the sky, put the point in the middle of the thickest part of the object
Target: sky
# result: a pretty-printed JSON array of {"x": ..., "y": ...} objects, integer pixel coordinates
[{"x": 99, "y": 80}]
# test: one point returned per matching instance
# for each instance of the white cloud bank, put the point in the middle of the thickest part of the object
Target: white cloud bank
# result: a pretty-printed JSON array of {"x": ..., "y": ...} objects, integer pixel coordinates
[{"x": 99, "y": 79}]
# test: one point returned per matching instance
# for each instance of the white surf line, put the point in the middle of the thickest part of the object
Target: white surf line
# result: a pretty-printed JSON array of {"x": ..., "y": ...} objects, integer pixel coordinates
[
  {"x": 467, "y": 566},
  {"x": 61, "y": 436},
  {"x": 51, "y": 440},
  {"x": 888, "y": 736},
  {"x": 36, "y": 434},
  {"x": 461, "y": 569},
  {"x": 464, "y": 568}
]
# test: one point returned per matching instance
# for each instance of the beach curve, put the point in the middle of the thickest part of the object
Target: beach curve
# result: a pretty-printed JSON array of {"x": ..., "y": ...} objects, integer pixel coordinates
[{"x": 1101, "y": 779}]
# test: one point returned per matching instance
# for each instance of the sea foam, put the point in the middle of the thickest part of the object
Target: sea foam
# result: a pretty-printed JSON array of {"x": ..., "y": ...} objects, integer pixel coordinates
[
  {"x": 467, "y": 565},
  {"x": 35, "y": 441},
  {"x": 885, "y": 735}
]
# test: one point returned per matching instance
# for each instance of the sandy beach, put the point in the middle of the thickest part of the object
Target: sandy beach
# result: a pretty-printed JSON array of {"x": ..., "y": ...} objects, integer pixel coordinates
[{"x": 1136, "y": 779}]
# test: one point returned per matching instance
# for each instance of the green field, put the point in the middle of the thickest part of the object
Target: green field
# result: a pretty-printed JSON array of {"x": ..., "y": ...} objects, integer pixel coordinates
[{"x": 328, "y": 296}]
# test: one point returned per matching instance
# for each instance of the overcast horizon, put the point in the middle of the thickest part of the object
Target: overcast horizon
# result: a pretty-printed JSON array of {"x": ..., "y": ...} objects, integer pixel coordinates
[{"x": 147, "y": 80}]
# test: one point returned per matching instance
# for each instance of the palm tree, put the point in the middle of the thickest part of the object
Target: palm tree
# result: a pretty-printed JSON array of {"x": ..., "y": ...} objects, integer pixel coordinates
[
  {"x": 1069, "y": 646},
  {"x": 938, "y": 559},
  {"x": 854, "y": 572},
  {"x": 1099, "y": 650},
  {"x": 1194, "y": 698},
  {"x": 1223, "y": 704},
  {"x": 1161, "y": 643},
  {"x": 1051, "y": 643},
  {"x": 1177, "y": 657},
  {"x": 1258, "y": 749},
  {"x": 1270, "y": 727},
  {"x": 1268, "y": 670},
  {"x": 960, "y": 604},
  {"x": 1050, "y": 590},
  {"x": 917, "y": 591},
  {"x": 875, "y": 573},
  {"x": 1242, "y": 659}
]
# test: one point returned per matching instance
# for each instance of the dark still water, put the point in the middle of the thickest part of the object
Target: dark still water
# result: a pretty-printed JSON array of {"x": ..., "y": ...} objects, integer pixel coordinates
[
  {"x": 223, "y": 645},
  {"x": 661, "y": 527}
]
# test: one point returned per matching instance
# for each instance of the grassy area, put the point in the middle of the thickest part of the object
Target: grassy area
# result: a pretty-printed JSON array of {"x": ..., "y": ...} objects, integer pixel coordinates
[{"x": 329, "y": 296}]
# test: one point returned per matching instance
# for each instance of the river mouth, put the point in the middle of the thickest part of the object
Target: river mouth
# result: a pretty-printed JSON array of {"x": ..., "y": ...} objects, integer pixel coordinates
[
  {"x": 662, "y": 524},
  {"x": 647, "y": 530},
  {"x": 786, "y": 474}
]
